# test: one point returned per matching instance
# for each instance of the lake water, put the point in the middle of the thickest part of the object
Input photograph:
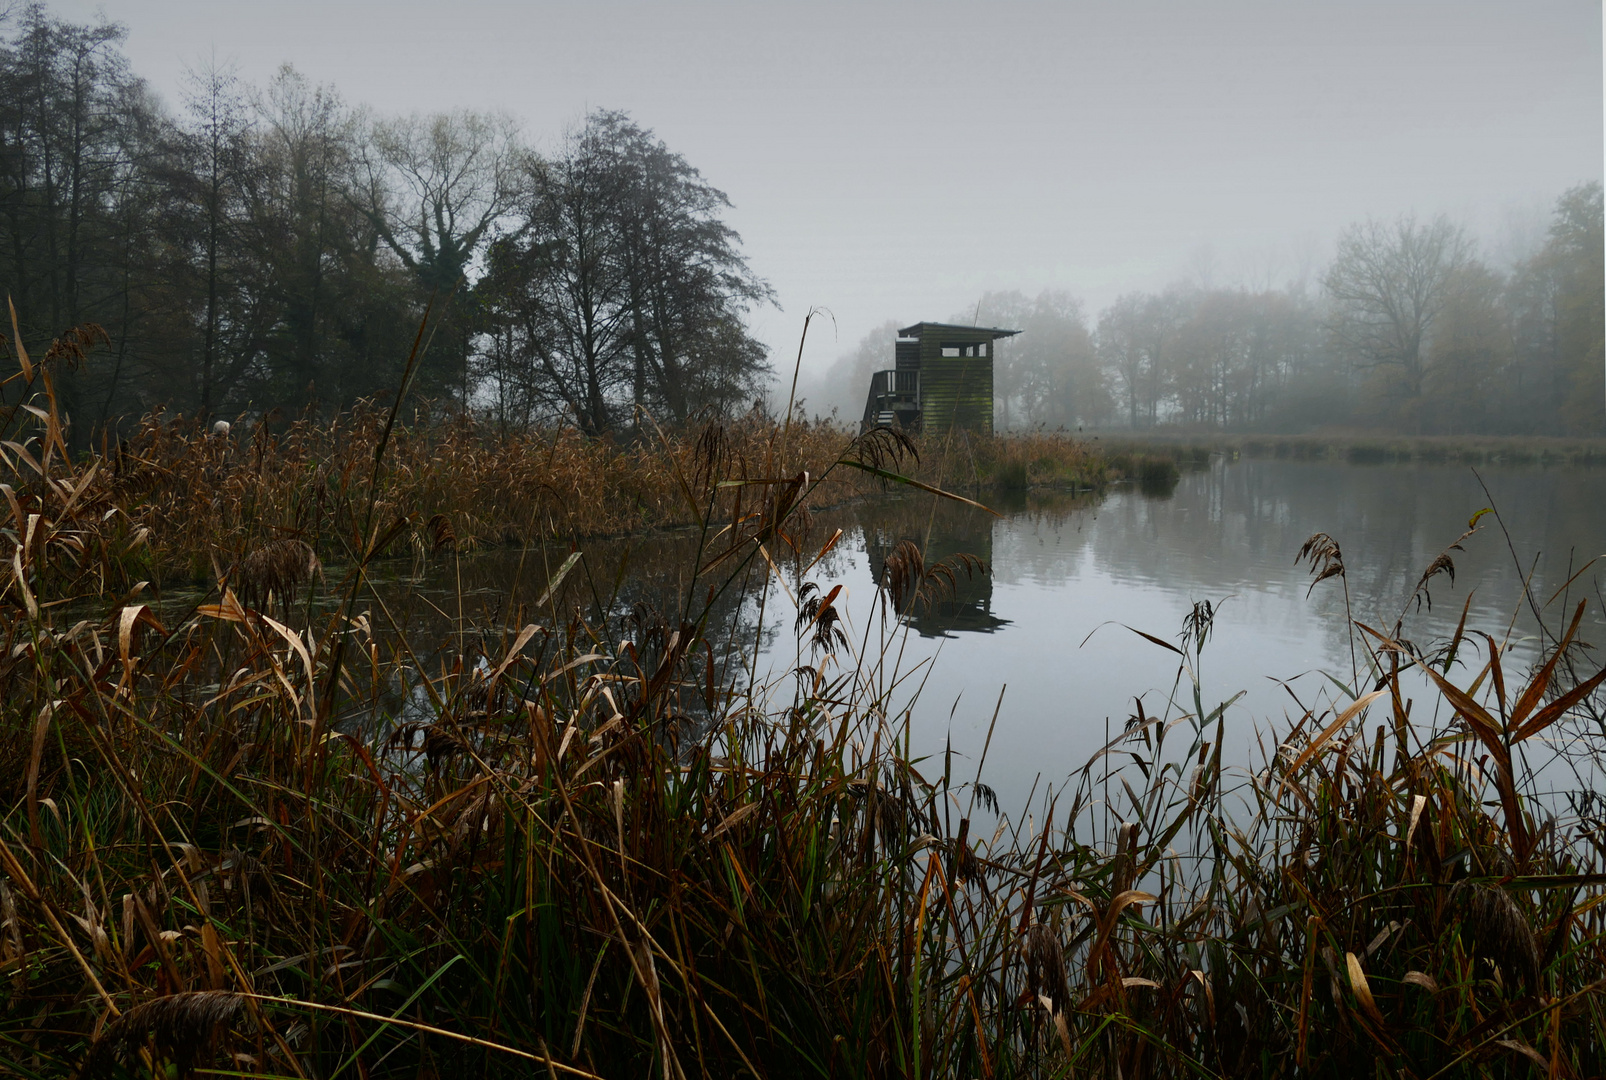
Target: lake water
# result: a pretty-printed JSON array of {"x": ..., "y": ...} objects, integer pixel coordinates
[
  {"x": 1044, "y": 623},
  {"x": 1064, "y": 576}
]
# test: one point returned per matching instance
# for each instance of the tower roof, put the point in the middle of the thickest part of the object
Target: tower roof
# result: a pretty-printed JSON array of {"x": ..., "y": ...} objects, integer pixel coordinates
[{"x": 992, "y": 333}]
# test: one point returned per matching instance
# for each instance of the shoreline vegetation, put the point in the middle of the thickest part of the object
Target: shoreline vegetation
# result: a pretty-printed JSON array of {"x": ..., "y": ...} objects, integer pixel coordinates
[
  {"x": 204, "y": 496},
  {"x": 248, "y": 838},
  {"x": 1359, "y": 448}
]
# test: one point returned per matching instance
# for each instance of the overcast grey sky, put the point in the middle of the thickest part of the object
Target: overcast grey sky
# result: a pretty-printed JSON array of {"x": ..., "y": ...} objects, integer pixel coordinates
[{"x": 895, "y": 160}]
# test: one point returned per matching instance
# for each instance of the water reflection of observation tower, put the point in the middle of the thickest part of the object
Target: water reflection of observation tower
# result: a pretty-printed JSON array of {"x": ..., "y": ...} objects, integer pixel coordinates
[{"x": 943, "y": 534}]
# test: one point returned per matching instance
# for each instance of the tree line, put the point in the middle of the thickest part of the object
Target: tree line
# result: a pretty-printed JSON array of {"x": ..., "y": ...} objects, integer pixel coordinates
[
  {"x": 263, "y": 248},
  {"x": 1409, "y": 329}
]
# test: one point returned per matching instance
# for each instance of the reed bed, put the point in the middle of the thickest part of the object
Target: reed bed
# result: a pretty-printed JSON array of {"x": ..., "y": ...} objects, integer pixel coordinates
[
  {"x": 446, "y": 481},
  {"x": 1014, "y": 461},
  {"x": 289, "y": 842},
  {"x": 205, "y": 495}
]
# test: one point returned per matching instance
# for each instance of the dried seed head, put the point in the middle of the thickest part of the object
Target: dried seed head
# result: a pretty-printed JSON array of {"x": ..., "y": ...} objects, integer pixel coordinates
[
  {"x": 819, "y": 617},
  {"x": 72, "y": 348},
  {"x": 276, "y": 571},
  {"x": 441, "y": 534},
  {"x": 1496, "y": 929},
  {"x": 882, "y": 447},
  {"x": 1045, "y": 967},
  {"x": 1325, "y": 558},
  {"x": 1441, "y": 565},
  {"x": 910, "y": 583},
  {"x": 184, "y": 1026},
  {"x": 712, "y": 457}
]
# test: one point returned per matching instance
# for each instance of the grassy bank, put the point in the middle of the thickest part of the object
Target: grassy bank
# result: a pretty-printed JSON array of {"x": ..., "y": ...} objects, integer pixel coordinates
[
  {"x": 1363, "y": 449},
  {"x": 248, "y": 838}
]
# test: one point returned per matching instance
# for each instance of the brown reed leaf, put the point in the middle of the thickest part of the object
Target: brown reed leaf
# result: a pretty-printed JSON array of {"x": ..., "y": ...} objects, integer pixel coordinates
[
  {"x": 1534, "y": 1056},
  {"x": 16, "y": 343},
  {"x": 1338, "y": 724},
  {"x": 127, "y": 619},
  {"x": 1362, "y": 988},
  {"x": 1490, "y": 732},
  {"x": 1558, "y": 708},
  {"x": 964, "y": 867},
  {"x": 1422, "y": 979}
]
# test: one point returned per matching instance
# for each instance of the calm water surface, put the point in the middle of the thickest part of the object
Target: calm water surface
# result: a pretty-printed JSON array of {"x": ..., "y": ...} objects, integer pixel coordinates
[{"x": 1049, "y": 620}]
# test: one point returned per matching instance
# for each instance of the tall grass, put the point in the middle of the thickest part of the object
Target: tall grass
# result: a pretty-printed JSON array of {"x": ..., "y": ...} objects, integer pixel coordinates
[{"x": 292, "y": 842}]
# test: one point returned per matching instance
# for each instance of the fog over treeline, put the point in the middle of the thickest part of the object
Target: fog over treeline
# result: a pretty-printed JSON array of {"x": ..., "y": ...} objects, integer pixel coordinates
[
  {"x": 1409, "y": 329},
  {"x": 260, "y": 247}
]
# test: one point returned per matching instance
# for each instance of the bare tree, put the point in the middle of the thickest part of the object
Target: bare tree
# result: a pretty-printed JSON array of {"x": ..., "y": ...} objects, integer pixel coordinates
[
  {"x": 689, "y": 284},
  {"x": 1470, "y": 354},
  {"x": 1556, "y": 300},
  {"x": 1049, "y": 374},
  {"x": 435, "y": 187},
  {"x": 1388, "y": 284},
  {"x": 839, "y": 390},
  {"x": 1135, "y": 339},
  {"x": 1235, "y": 355},
  {"x": 213, "y": 156}
]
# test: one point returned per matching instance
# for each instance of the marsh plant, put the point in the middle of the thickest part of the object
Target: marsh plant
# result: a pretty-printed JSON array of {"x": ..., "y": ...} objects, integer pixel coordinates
[{"x": 600, "y": 851}]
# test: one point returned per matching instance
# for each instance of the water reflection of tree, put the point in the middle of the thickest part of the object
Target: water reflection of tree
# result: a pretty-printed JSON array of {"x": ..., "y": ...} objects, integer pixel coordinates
[{"x": 1235, "y": 529}]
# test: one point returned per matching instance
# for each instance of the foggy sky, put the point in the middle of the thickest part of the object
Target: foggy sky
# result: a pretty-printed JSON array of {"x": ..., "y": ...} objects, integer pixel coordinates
[{"x": 894, "y": 160}]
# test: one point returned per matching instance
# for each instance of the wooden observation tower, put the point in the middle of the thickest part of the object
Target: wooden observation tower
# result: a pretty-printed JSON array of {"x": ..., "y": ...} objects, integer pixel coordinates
[{"x": 941, "y": 380}]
